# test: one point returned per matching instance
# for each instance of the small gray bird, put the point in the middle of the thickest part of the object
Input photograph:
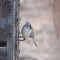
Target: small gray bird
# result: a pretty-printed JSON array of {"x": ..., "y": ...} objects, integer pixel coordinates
[{"x": 28, "y": 32}]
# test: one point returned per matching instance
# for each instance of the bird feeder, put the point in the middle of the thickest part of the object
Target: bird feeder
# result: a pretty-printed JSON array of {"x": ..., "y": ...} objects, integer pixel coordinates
[{"x": 9, "y": 23}]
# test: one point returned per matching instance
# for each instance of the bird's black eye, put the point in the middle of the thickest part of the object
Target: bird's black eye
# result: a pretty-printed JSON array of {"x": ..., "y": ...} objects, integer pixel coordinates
[{"x": 28, "y": 26}]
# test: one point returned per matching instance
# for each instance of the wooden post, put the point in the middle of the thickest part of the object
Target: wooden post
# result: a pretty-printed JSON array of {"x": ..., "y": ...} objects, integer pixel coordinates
[{"x": 12, "y": 39}]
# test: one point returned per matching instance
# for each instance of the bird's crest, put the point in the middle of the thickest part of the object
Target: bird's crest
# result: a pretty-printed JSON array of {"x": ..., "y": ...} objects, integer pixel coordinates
[{"x": 28, "y": 23}]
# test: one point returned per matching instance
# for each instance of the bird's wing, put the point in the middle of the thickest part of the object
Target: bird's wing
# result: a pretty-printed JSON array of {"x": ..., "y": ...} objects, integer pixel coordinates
[{"x": 32, "y": 34}]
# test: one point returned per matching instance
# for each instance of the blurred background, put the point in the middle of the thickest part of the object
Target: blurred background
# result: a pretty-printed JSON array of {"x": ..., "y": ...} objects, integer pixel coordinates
[{"x": 40, "y": 14}]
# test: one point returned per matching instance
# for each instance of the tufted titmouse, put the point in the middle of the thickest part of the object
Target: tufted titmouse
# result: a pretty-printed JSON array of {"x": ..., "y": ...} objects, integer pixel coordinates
[{"x": 28, "y": 32}]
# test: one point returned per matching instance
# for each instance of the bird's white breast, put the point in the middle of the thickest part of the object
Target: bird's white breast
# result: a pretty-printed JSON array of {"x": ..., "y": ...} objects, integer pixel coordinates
[{"x": 27, "y": 32}]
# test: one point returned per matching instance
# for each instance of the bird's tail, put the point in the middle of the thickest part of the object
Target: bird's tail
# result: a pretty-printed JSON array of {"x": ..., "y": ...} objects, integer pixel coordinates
[{"x": 35, "y": 43}]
